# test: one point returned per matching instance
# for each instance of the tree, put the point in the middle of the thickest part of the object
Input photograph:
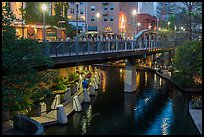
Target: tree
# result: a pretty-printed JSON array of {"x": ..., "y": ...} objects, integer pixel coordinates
[
  {"x": 188, "y": 62},
  {"x": 191, "y": 14},
  {"x": 21, "y": 82}
]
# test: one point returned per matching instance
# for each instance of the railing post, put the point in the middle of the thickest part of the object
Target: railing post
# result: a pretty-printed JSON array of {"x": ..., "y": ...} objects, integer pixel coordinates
[
  {"x": 77, "y": 46},
  {"x": 140, "y": 43},
  {"x": 125, "y": 45},
  {"x": 116, "y": 44},
  {"x": 109, "y": 45},
  {"x": 88, "y": 47},
  {"x": 99, "y": 46},
  {"x": 63, "y": 49}
]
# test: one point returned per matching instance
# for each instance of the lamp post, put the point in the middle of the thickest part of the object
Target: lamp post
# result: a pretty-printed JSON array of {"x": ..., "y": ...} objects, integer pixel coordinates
[
  {"x": 138, "y": 24},
  {"x": 22, "y": 21},
  {"x": 44, "y": 8},
  {"x": 157, "y": 28},
  {"x": 77, "y": 42},
  {"x": 134, "y": 12},
  {"x": 97, "y": 17}
]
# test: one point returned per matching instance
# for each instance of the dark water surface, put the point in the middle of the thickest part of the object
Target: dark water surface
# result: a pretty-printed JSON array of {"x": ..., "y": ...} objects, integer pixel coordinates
[{"x": 156, "y": 108}]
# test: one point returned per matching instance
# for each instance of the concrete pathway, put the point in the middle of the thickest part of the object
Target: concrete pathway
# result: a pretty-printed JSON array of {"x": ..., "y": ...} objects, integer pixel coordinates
[
  {"x": 196, "y": 115},
  {"x": 51, "y": 117}
]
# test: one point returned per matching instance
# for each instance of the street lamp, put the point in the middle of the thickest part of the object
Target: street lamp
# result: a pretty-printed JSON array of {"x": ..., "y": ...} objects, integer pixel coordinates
[
  {"x": 157, "y": 28},
  {"x": 168, "y": 24},
  {"x": 134, "y": 12},
  {"x": 77, "y": 10},
  {"x": 97, "y": 16},
  {"x": 44, "y": 8},
  {"x": 77, "y": 42},
  {"x": 138, "y": 24}
]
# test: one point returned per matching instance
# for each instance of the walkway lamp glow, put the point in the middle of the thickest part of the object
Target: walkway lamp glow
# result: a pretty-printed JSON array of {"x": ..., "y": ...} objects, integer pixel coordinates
[
  {"x": 44, "y": 8},
  {"x": 168, "y": 24},
  {"x": 97, "y": 17},
  {"x": 134, "y": 13}
]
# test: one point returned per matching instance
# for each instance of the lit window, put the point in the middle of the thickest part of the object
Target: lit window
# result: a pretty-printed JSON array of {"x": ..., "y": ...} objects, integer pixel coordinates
[
  {"x": 105, "y": 8},
  {"x": 111, "y": 18},
  {"x": 81, "y": 12},
  {"x": 72, "y": 11},
  {"x": 92, "y": 18},
  {"x": 92, "y": 8},
  {"x": 111, "y": 7},
  {"x": 105, "y": 19}
]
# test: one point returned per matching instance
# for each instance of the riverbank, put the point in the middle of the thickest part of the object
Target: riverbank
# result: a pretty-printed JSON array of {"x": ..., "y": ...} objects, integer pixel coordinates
[{"x": 196, "y": 115}]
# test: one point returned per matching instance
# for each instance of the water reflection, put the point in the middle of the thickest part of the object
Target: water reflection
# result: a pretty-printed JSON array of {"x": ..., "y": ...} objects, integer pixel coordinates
[{"x": 86, "y": 120}]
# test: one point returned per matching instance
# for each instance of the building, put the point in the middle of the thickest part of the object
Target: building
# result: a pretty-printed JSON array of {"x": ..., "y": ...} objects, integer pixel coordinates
[
  {"x": 35, "y": 30},
  {"x": 147, "y": 8},
  {"x": 113, "y": 17},
  {"x": 147, "y": 13},
  {"x": 104, "y": 17}
]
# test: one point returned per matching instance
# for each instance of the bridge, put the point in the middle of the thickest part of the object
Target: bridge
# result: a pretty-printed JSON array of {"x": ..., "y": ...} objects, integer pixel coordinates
[{"x": 74, "y": 52}]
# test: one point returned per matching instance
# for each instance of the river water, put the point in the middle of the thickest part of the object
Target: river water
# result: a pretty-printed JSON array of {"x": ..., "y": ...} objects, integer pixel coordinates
[{"x": 156, "y": 108}]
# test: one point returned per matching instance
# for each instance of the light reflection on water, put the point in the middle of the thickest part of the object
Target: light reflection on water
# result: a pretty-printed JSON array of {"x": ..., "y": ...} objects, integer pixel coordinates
[
  {"x": 163, "y": 121},
  {"x": 85, "y": 122}
]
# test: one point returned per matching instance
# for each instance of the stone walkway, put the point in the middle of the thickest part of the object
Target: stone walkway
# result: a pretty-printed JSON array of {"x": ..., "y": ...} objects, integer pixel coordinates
[{"x": 196, "y": 115}]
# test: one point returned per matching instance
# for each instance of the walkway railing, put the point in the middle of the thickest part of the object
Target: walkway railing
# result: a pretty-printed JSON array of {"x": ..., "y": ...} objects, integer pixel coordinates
[
  {"x": 73, "y": 48},
  {"x": 96, "y": 47}
]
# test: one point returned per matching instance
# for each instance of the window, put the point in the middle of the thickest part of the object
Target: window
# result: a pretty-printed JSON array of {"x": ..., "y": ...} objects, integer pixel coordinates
[
  {"x": 81, "y": 3},
  {"x": 72, "y": 11},
  {"x": 92, "y": 18},
  {"x": 105, "y": 18},
  {"x": 81, "y": 11},
  {"x": 111, "y": 18},
  {"x": 111, "y": 7},
  {"x": 93, "y": 8},
  {"x": 105, "y": 8}
]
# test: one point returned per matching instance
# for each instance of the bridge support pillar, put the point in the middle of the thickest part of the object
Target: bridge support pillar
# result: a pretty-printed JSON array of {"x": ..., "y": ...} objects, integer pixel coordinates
[
  {"x": 130, "y": 76},
  {"x": 149, "y": 60}
]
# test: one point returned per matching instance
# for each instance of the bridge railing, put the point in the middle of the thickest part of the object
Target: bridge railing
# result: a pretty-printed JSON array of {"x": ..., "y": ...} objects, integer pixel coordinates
[{"x": 99, "y": 47}]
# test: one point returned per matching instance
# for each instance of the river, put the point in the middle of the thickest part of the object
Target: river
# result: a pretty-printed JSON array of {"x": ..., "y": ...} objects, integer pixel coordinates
[{"x": 155, "y": 108}]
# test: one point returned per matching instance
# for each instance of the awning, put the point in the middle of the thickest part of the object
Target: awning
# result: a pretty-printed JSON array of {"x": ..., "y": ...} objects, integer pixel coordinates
[{"x": 92, "y": 28}]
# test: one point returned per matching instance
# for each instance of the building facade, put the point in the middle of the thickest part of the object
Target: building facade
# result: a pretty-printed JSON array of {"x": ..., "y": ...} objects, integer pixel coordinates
[{"x": 103, "y": 17}]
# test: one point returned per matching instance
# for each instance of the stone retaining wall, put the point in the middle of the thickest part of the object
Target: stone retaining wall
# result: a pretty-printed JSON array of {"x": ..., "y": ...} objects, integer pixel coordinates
[{"x": 29, "y": 125}]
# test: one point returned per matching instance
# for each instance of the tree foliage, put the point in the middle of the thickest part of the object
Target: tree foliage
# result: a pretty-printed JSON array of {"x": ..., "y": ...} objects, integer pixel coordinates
[
  {"x": 188, "y": 62},
  {"x": 189, "y": 16}
]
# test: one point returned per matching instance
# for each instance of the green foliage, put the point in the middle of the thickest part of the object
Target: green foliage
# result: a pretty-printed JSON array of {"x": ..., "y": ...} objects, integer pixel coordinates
[
  {"x": 7, "y": 16},
  {"x": 188, "y": 62},
  {"x": 73, "y": 77},
  {"x": 21, "y": 84},
  {"x": 197, "y": 103}
]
